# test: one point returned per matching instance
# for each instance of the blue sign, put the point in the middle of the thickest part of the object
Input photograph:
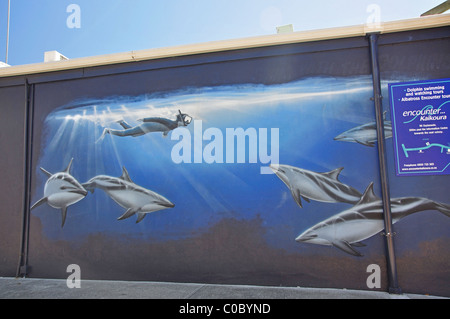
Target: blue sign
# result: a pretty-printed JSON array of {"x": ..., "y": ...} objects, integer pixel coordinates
[{"x": 420, "y": 113}]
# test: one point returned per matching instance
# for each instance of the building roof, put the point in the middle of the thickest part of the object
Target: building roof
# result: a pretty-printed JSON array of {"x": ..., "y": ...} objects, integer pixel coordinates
[{"x": 425, "y": 22}]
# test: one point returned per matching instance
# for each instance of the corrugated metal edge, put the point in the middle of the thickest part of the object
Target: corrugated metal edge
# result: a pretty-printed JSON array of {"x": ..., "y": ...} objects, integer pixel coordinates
[{"x": 227, "y": 45}]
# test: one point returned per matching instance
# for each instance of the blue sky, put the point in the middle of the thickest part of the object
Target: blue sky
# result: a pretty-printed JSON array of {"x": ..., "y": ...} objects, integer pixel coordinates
[{"x": 112, "y": 26}]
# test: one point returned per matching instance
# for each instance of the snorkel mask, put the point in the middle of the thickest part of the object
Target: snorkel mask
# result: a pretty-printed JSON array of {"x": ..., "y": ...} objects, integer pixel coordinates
[{"x": 185, "y": 118}]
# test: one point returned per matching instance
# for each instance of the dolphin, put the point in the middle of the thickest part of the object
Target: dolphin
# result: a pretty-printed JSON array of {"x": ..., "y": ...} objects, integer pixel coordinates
[
  {"x": 322, "y": 187},
  {"x": 150, "y": 124},
  {"x": 365, "y": 134},
  {"x": 61, "y": 190},
  {"x": 349, "y": 228},
  {"x": 134, "y": 198}
]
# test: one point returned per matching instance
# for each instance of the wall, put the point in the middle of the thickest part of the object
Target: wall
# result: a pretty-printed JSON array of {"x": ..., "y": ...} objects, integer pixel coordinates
[
  {"x": 421, "y": 240},
  {"x": 12, "y": 176},
  {"x": 215, "y": 212}
]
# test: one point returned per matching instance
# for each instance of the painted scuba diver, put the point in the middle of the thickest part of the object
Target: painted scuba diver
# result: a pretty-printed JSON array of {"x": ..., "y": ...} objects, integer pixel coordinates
[{"x": 149, "y": 125}]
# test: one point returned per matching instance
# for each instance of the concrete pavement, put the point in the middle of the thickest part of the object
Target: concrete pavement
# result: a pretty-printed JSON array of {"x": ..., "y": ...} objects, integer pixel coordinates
[{"x": 24, "y": 288}]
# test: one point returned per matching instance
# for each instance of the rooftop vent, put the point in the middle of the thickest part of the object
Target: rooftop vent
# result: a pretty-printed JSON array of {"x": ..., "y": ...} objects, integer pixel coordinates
[{"x": 53, "y": 56}]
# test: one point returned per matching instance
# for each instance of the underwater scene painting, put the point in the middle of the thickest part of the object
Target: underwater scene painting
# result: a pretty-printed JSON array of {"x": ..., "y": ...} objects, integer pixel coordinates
[{"x": 300, "y": 157}]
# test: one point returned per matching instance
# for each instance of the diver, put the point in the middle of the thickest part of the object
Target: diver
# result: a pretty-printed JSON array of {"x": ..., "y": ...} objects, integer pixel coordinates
[{"x": 149, "y": 125}]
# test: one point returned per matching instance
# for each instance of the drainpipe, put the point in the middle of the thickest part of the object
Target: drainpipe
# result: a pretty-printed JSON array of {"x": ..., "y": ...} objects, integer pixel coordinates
[
  {"x": 23, "y": 268},
  {"x": 389, "y": 234}
]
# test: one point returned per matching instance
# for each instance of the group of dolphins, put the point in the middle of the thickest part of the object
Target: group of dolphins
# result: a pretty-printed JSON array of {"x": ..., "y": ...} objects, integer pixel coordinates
[
  {"x": 62, "y": 189},
  {"x": 347, "y": 230}
]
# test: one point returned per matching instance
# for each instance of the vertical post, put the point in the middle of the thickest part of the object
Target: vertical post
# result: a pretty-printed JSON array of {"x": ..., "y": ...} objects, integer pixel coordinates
[
  {"x": 23, "y": 268},
  {"x": 7, "y": 32},
  {"x": 389, "y": 234}
]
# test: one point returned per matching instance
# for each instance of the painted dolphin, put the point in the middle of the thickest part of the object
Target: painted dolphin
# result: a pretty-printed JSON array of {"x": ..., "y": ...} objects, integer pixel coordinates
[
  {"x": 322, "y": 187},
  {"x": 349, "y": 228},
  {"x": 134, "y": 198},
  {"x": 150, "y": 124},
  {"x": 61, "y": 190},
  {"x": 365, "y": 134}
]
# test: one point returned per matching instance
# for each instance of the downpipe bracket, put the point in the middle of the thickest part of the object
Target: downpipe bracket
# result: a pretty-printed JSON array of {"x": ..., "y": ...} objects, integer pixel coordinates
[
  {"x": 388, "y": 234},
  {"x": 377, "y": 97}
]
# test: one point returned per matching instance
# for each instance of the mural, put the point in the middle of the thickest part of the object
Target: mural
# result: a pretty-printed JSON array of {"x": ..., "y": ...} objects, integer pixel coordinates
[{"x": 215, "y": 163}]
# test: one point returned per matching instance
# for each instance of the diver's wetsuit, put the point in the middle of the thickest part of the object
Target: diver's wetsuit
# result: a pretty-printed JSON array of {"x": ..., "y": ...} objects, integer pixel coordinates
[
  {"x": 154, "y": 124},
  {"x": 150, "y": 124}
]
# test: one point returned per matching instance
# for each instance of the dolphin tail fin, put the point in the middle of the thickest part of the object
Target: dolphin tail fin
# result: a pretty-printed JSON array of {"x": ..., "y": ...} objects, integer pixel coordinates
[
  {"x": 130, "y": 212},
  {"x": 443, "y": 208},
  {"x": 39, "y": 203},
  {"x": 64, "y": 215},
  {"x": 88, "y": 187}
]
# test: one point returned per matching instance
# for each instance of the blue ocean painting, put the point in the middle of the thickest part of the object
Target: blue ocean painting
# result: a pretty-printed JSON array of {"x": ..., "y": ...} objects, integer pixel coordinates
[{"x": 292, "y": 123}]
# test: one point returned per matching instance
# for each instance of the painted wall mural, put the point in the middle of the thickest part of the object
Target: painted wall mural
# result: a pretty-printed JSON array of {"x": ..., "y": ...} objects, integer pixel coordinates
[
  {"x": 286, "y": 172},
  {"x": 202, "y": 171}
]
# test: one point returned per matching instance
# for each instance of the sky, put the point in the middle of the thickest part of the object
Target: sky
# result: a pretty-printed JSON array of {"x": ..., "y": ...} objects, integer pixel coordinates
[{"x": 82, "y": 28}]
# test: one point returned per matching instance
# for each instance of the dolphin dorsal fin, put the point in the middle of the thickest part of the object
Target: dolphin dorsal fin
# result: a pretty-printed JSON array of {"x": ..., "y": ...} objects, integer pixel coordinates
[
  {"x": 334, "y": 174},
  {"x": 125, "y": 175},
  {"x": 368, "y": 196},
  {"x": 67, "y": 170}
]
